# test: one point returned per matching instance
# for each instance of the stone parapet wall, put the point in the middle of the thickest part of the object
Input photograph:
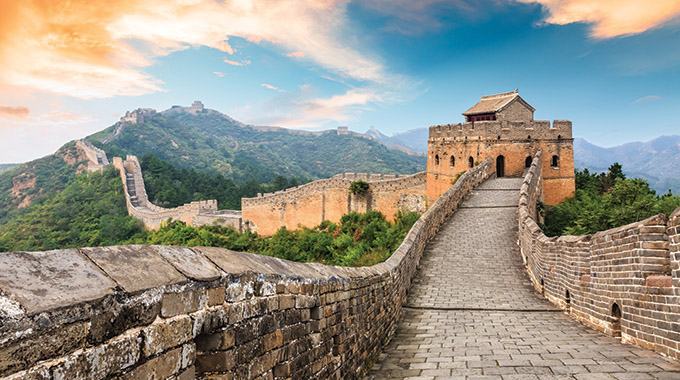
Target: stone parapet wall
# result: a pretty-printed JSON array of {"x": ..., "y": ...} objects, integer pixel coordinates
[
  {"x": 142, "y": 312},
  {"x": 497, "y": 130},
  {"x": 624, "y": 281},
  {"x": 328, "y": 199},
  {"x": 97, "y": 159},
  {"x": 194, "y": 213}
]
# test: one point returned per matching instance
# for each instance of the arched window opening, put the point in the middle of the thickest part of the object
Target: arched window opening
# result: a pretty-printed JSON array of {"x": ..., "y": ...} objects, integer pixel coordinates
[
  {"x": 542, "y": 287},
  {"x": 500, "y": 166},
  {"x": 527, "y": 162},
  {"x": 499, "y": 137},
  {"x": 555, "y": 162},
  {"x": 436, "y": 159},
  {"x": 616, "y": 319},
  {"x": 471, "y": 162},
  {"x": 529, "y": 137},
  {"x": 559, "y": 137},
  {"x": 616, "y": 312},
  {"x": 567, "y": 298},
  {"x": 452, "y": 161}
]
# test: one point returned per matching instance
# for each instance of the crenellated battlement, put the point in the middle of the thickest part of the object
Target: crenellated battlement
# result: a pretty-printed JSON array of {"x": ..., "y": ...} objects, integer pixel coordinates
[{"x": 496, "y": 130}]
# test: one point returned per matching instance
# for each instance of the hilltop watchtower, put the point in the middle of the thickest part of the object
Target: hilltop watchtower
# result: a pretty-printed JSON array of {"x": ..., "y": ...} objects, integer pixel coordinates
[{"x": 502, "y": 126}]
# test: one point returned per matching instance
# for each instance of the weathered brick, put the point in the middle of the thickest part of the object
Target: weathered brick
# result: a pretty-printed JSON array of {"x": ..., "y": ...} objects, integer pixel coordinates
[
  {"x": 216, "y": 296},
  {"x": 101, "y": 361},
  {"x": 166, "y": 334},
  {"x": 174, "y": 304},
  {"x": 218, "y": 361},
  {"x": 160, "y": 367},
  {"x": 20, "y": 354}
]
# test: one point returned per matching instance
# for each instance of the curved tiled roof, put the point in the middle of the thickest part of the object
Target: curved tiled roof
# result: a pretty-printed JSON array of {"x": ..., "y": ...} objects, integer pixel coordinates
[{"x": 495, "y": 103}]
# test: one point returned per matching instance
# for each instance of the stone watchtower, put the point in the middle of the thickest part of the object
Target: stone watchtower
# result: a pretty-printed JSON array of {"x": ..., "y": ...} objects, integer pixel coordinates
[{"x": 502, "y": 126}]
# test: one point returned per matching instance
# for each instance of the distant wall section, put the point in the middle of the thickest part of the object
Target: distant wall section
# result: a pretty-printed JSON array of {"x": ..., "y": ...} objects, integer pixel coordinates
[
  {"x": 330, "y": 199},
  {"x": 194, "y": 213}
]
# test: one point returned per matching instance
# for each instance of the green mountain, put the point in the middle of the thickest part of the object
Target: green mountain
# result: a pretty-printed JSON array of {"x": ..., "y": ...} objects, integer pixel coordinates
[
  {"x": 35, "y": 181},
  {"x": 210, "y": 141}
]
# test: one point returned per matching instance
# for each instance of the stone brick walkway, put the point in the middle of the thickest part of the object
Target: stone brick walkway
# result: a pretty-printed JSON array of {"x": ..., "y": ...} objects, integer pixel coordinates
[{"x": 473, "y": 314}]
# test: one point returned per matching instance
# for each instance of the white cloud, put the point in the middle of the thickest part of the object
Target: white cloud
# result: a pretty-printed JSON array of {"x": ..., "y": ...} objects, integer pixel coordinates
[
  {"x": 269, "y": 86},
  {"x": 648, "y": 98},
  {"x": 83, "y": 49}
]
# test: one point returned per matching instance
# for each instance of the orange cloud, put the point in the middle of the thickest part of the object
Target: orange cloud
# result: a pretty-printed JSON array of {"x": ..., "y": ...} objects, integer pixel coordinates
[
  {"x": 296, "y": 54},
  {"x": 612, "y": 18},
  {"x": 14, "y": 112},
  {"x": 85, "y": 48}
]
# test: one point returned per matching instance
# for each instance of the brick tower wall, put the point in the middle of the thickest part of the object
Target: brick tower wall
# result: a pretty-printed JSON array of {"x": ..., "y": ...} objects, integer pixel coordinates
[{"x": 515, "y": 141}]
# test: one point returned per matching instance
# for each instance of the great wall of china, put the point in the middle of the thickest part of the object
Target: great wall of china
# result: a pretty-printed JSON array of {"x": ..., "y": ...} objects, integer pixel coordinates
[
  {"x": 624, "y": 281},
  {"x": 329, "y": 199},
  {"x": 142, "y": 312},
  {"x": 137, "y": 312}
]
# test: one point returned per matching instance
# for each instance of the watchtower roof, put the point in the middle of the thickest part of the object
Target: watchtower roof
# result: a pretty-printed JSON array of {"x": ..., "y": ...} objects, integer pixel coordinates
[{"x": 495, "y": 103}]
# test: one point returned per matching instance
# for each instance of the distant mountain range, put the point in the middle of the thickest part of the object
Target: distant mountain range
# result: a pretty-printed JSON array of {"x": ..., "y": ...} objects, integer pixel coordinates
[
  {"x": 413, "y": 141},
  {"x": 657, "y": 161},
  {"x": 208, "y": 141}
]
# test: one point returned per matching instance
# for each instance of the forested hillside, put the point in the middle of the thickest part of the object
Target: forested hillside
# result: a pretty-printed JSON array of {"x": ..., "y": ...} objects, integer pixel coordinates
[
  {"x": 168, "y": 186},
  {"x": 35, "y": 181},
  {"x": 90, "y": 211},
  {"x": 209, "y": 141},
  {"x": 606, "y": 200}
]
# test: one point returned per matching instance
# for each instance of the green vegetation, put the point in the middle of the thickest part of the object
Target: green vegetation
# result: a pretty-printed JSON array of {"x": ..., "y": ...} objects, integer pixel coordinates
[
  {"x": 212, "y": 142},
  {"x": 359, "y": 187},
  {"x": 168, "y": 186},
  {"x": 606, "y": 200},
  {"x": 6, "y": 167},
  {"x": 358, "y": 240},
  {"x": 88, "y": 212},
  {"x": 91, "y": 212},
  {"x": 36, "y": 181}
]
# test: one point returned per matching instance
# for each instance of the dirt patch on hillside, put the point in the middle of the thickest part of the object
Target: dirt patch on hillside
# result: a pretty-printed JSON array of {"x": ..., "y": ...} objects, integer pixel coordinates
[
  {"x": 73, "y": 157},
  {"x": 21, "y": 183}
]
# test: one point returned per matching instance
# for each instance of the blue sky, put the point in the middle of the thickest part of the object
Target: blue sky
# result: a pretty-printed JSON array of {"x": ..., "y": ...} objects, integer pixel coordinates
[{"x": 69, "y": 69}]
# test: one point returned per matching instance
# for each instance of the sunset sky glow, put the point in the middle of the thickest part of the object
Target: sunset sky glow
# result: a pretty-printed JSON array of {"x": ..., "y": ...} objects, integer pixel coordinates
[{"x": 71, "y": 68}]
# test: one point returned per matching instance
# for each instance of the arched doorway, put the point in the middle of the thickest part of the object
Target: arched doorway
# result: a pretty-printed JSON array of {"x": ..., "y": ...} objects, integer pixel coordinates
[
  {"x": 527, "y": 162},
  {"x": 500, "y": 166}
]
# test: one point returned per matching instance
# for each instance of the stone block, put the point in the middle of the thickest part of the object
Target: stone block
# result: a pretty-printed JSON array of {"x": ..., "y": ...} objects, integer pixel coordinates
[
  {"x": 160, "y": 367},
  {"x": 47, "y": 280},
  {"x": 218, "y": 361},
  {"x": 216, "y": 296},
  {"x": 135, "y": 267},
  {"x": 190, "y": 263},
  {"x": 166, "y": 334},
  {"x": 102, "y": 361},
  {"x": 21, "y": 354},
  {"x": 182, "y": 303},
  {"x": 659, "y": 281}
]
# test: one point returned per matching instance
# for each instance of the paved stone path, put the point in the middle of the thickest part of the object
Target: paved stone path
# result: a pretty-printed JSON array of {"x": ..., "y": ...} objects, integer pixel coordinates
[{"x": 473, "y": 314}]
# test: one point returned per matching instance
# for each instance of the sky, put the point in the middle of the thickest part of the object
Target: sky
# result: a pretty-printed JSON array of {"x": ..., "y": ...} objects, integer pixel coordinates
[{"x": 69, "y": 68}]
